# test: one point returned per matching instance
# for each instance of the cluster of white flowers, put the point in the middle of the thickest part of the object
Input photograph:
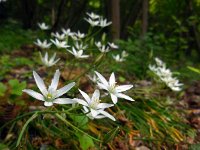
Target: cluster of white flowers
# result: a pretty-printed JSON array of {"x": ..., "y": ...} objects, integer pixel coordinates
[
  {"x": 92, "y": 106},
  {"x": 96, "y": 20},
  {"x": 165, "y": 75}
]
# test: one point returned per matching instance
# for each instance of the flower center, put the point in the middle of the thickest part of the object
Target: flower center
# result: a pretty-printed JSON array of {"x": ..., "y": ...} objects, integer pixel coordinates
[
  {"x": 49, "y": 97},
  {"x": 94, "y": 103},
  {"x": 111, "y": 88}
]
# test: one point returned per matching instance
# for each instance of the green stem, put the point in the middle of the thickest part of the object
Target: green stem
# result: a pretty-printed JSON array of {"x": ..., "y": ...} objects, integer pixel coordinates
[
  {"x": 68, "y": 123},
  {"x": 24, "y": 127}
]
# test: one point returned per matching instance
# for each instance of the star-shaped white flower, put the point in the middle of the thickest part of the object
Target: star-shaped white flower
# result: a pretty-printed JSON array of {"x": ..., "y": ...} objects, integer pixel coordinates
[
  {"x": 93, "y": 15},
  {"x": 78, "y": 53},
  {"x": 79, "y": 35},
  {"x": 49, "y": 62},
  {"x": 112, "y": 88},
  {"x": 67, "y": 32},
  {"x": 92, "y": 22},
  {"x": 43, "y": 26},
  {"x": 43, "y": 45},
  {"x": 60, "y": 44},
  {"x": 103, "y": 22},
  {"x": 80, "y": 46},
  {"x": 113, "y": 45},
  {"x": 93, "y": 107},
  {"x": 117, "y": 58},
  {"x": 59, "y": 36},
  {"x": 50, "y": 95}
]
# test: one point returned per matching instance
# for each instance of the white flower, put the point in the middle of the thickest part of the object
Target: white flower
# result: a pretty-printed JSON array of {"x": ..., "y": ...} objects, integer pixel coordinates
[
  {"x": 98, "y": 44},
  {"x": 2, "y": 1},
  {"x": 93, "y": 23},
  {"x": 118, "y": 58},
  {"x": 43, "y": 26},
  {"x": 80, "y": 46},
  {"x": 67, "y": 32},
  {"x": 49, "y": 62},
  {"x": 113, "y": 45},
  {"x": 102, "y": 48},
  {"x": 60, "y": 44},
  {"x": 112, "y": 88},
  {"x": 78, "y": 54},
  {"x": 165, "y": 75},
  {"x": 59, "y": 36},
  {"x": 50, "y": 95},
  {"x": 96, "y": 109},
  {"x": 104, "y": 23},
  {"x": 43, "y": 44},
  {"x": 124, "y": 54},
  {"x": 80, "y": 35},
  {"x": 93, "y": 15}
]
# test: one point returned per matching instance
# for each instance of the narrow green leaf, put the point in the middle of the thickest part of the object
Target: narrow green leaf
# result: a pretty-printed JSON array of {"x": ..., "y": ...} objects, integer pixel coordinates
[
  {"x": 24, "y": 127},
  {"x": 111, "y": 134}
]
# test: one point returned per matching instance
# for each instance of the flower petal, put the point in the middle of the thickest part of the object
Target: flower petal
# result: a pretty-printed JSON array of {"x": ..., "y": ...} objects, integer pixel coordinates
[
  {"x": 102, "y": 79},
  {"x": 94, "y": 112},
  {"x": 64, "y": 89},
  {"x": 96, "y": 95},
  {"x": 40, "y": 83},
  {"x": 64, "y": 101},
  {"x": 82, "y": 102},
  {"x": 55, "y": 80},
  {"x": 112, "y": 79},
  {"x": 47, "y": 104},
  {"x": 123, "y": 88},
  {"x": 86, "y": 97},
  {"x": 100, "y": 116},
  {"x": 114, "y": 98},
  {"x": 102, "y": 86},
  {"x": 34, "y": 94},
  {"x": 120, "y": 95},
  {"x": 104, "y": 105},
  {"x": 107, "y": 115}
]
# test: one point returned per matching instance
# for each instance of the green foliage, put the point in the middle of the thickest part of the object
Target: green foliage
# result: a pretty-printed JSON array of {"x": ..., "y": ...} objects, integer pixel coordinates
[
  {"x": 3, "y": 88},
  {"x": 3, "y": 146},
  {"x": 13, "y": 37},
  {"x": 16, "y": 86},
  {"x": 85, "y": 142},
  {"x": 194, "y": 147}
]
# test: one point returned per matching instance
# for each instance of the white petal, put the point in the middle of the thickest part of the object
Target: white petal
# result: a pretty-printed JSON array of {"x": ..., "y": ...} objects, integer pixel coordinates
[
  {"x": 120, "y": 95},
  {"x": 86, "y": 97},
  {"x": 100, "y": 116},
  {"x": 112, "y": 79},
  {"x": 40, "y": 83},
  {"x": 101, "y": 78},
  {"x": 104, "y": 105},
  {"x": 55, "y": 80},
  {"x": 94, "y": 112},
  {"x": 47, "y": 104},
  {"x": 82, "y": 102},
  {"x": 107, "y": 115},
  {"x": 123, "y": 88},
  {"x": 114, "y": 98},
  {"x": 95, "y": 95},
  {"x": 34, "y": 94},
  {"x": 65, "y": 89},
  {"x": 102, "y": 86},
  {"x": 52, "y": 58},
  {"x": 64, "y": 101}
]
